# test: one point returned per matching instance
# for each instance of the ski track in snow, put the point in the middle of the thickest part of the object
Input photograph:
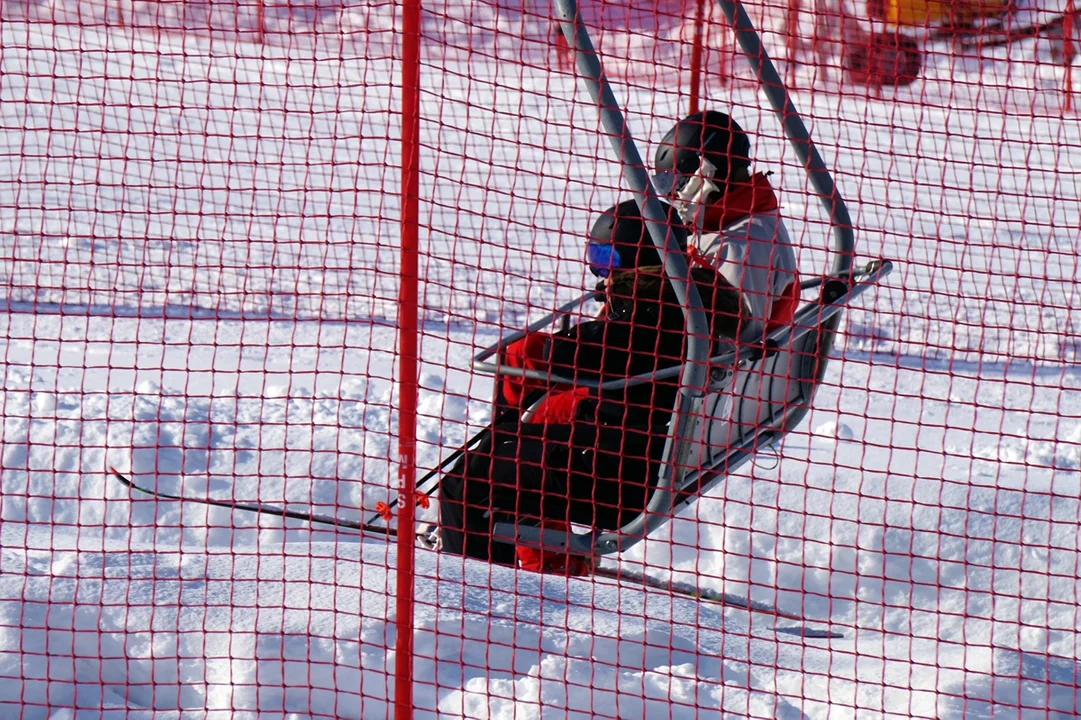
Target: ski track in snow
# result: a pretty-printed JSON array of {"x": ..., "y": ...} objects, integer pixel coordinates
[
  {"x": 212, "y": 631},
  {"x": 928, "y": 506}
]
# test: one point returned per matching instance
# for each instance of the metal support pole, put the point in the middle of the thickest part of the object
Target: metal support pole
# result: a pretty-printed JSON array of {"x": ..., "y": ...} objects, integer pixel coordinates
[
  {"x": 694, "y": 375},
  {"x": 696, "y": 56},
  {"x": 844, "y": 243},
  {"x": 408, "y": 360},
  {"x": 1068, "y": 23}
]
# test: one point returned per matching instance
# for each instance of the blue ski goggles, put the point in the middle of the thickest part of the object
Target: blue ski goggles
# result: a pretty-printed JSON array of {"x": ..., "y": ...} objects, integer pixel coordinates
[{"x": 602, "y": 258}]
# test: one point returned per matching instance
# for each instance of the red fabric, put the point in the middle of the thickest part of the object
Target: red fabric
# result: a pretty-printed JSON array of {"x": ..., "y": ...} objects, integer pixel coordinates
[
  {"x": 548, "y": 561},
  {"x": 558, "y": 407},
  {"x": 784, "y": 306},
  {"x": 524, "y": 354},
  {"x": 741, "y": 200},
  {"x": 528, "y": 354}
]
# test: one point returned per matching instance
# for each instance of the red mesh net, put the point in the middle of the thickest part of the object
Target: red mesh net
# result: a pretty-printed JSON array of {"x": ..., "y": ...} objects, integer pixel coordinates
[{"x": 200, "y": 248}]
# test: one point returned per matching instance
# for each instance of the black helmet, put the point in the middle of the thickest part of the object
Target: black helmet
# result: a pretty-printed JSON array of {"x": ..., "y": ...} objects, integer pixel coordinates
[
  {"x": 709, "y": 134},
  {"x": 619, "y": 238}
]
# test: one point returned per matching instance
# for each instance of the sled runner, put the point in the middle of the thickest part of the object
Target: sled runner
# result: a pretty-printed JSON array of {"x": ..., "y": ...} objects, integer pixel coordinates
[{"x": 770, "y": 384}]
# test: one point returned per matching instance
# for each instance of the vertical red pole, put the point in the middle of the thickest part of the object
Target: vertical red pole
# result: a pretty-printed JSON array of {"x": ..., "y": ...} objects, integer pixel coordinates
[
  {"x": 1068, "y": 53},
  {"x": 696, "y": 56},
  {"x": 722, "y": 52},
  {"x": 792, "y": 39},
  {"x": 260, "y": 19},
  {"x": 408, "y": 300}
]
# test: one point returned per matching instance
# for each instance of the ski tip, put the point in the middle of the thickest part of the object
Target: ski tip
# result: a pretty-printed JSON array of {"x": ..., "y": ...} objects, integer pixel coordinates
[{"x": 810, "y": 632}]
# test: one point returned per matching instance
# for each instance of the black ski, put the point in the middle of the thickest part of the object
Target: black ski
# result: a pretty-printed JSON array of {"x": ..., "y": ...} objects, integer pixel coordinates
[
  {"x": 259, "y": 508},
  {"x": 624, "y": 576},
  {"x": 721, "y": 598}
]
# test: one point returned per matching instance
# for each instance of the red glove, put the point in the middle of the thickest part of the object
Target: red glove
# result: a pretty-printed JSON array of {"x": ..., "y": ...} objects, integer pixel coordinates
[
  {"x": 525, "y": 354},
  {"x": 558, "y": 407}
]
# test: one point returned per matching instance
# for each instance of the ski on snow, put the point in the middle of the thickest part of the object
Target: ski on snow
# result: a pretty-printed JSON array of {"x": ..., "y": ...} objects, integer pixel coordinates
[
  {"x": 627, "y": 577},
  {"x": 738, "y": 602},
  {"x": 258, "y": 508}
]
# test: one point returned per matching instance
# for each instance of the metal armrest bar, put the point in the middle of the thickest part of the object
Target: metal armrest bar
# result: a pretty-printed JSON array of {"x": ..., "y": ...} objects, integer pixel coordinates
[
  {"x": 854, "y": 274},
  {"x": 807, "y": 319},
  {"x": 478, "y": 359}
]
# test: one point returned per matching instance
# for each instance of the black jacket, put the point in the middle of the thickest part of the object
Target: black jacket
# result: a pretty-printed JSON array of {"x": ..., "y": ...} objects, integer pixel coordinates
[
  {"x": 599, "y": 469},
  {"x": 643, "y": 332}
]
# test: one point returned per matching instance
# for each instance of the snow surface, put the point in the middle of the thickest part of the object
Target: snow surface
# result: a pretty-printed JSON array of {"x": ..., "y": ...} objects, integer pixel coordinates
[{"x": 199, "y": 252}]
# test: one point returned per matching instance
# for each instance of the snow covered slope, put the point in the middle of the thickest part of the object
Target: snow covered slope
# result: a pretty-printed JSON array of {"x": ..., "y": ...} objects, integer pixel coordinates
[{"x": 199, "y": 253}]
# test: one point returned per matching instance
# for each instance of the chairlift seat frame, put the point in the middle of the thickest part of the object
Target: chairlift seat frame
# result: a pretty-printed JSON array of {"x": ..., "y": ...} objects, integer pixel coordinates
[{"x": 771, "y": 382}]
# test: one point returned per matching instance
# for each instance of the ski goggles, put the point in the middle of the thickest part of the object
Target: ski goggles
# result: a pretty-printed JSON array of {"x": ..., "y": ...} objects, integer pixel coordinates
[{"x": 602, "y": 258}]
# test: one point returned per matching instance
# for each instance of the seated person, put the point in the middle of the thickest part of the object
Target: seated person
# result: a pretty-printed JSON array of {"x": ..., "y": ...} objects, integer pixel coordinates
[
  {"x": 597, "y": 466},
  {"x": 703, "y": 165}
]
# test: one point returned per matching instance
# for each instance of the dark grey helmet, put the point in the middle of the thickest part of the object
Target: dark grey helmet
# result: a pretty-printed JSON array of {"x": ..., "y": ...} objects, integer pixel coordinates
[
  {"x": 708, "y": 134},
  {"x": 621, "y": 232}
]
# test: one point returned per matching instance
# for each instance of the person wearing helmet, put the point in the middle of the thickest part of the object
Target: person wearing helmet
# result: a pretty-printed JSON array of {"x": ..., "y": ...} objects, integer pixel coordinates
[
  {"x": 583, "y": 458},
  {"x": 617, "y": 241},
  {"x": 703, "y": 165}
]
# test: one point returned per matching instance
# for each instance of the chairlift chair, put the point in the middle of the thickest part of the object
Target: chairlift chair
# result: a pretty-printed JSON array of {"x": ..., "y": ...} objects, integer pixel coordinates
[{"x": 770, "y": 384}]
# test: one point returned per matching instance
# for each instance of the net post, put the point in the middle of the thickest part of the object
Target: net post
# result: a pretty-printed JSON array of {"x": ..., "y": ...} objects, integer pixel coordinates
[
  {"x": 1068, "y": 24},
  {"x": 723, "y": 67},
  {"x": 408, "y": 300},
  {"x": 260, "y": 20},
  {"x": 792, "y": 39}
]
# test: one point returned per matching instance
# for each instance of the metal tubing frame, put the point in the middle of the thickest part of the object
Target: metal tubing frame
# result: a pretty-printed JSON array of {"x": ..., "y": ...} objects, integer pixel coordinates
[
  {"x": 695, "y": 368},
  {"x": 729, "y": 359},
  {"x": 482, "y": 365},
  {"x": 844, "y": 241},
  {"x": 694, "y": 373}
]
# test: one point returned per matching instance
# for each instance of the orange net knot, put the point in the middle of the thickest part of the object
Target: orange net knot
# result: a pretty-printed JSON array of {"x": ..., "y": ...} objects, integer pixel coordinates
[
  {"x": 423, "y": 501},
  {"x": 696, "y": 258},
  {"x": 384, "y": 511}
]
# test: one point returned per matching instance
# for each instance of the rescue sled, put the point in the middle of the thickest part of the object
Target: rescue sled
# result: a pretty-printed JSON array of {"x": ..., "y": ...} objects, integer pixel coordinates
[
  {"x": 770, "y": 384},
  {"x": 894, "y": 57},
  {"x": 947, "y": 15}
]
